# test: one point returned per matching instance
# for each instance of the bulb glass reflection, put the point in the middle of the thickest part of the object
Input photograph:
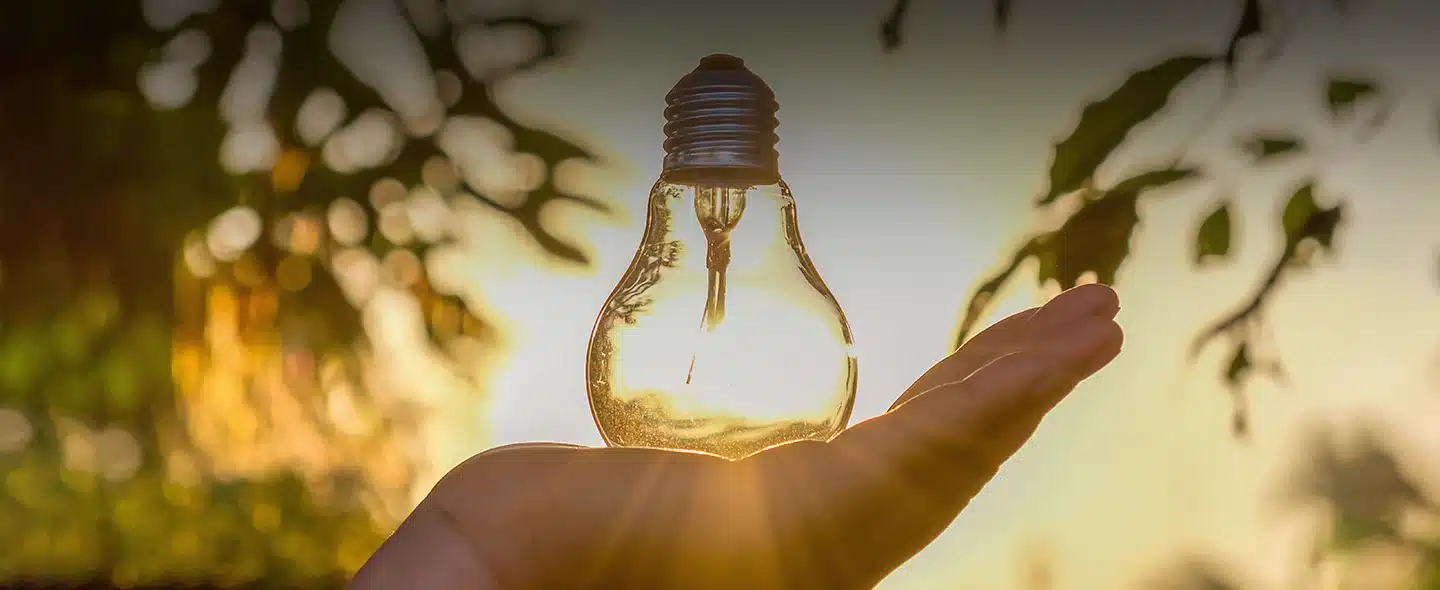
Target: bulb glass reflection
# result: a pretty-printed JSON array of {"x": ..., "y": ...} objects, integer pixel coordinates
[{"x": 721, "y": 336}]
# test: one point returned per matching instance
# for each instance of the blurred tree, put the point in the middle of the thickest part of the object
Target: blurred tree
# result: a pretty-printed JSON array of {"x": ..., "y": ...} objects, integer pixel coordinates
[
  {"x": 1373, "y": 500},
  {"x": 1100, "y": 215},
  {"x": 163, "y": 156}
]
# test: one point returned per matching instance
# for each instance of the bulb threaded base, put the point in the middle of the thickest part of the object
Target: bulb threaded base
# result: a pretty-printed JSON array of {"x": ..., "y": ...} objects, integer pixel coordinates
[{"x": 720, "y": 126}]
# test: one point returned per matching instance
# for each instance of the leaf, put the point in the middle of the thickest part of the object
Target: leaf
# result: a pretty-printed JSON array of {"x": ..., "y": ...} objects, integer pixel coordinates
[
  {"x": 1212, "y": 240},
  {"x": 1341, "y": 94},
  {"x": 1304, "y": 220},
  {"x": 1002, "y": 10},
  {"x": 1105, "y": 124},
  {"x": 1047, "y": 268},
  {"x": 1251, "y": 23},
  {"x": 891, "y": 34},
  {"x": 1144, "y": 181},
  {"x": 1298, "y": 211},
  {"x": 1322, "y": 225},
  {"x": 1095, "y": 239},
  {"x": 1265, "y": 147}
]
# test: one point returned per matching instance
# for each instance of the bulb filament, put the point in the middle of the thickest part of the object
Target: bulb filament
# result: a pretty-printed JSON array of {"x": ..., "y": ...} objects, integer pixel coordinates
[{"x": 718, "y": 209}]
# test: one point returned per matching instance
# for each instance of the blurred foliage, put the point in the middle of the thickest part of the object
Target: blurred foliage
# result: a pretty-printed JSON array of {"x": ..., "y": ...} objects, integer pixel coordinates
[
  {"x": 104, "y": 188},
  {"x": 1094, "y": 240},
  {"x": 1373, "y": 499}
]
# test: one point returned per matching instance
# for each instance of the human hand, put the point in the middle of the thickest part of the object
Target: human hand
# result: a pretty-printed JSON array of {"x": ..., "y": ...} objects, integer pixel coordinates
[{"x": 837, "y": 514}]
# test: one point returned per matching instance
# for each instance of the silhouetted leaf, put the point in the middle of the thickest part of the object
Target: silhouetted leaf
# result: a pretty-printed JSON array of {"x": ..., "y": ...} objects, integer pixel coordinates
[
  {"x": 1298, "y": 211},
  {"x": 1304, "y": 219},
  {"x": 1322, "y": 225},
  {"x": 1002, "y": 10},
  {"x": 1212, "y": 240},
  {"x": 1251, "y": 23},
  {"x": 891, "y": 34},
  {"x": 1144, "y": 181},
  {"x": 1047, "y": 269},
  {"x": 1104, "y": 124},
  {"x": 1096, "y": 238},
  {"x": 1264, "y": 147},
  {"x": 1342, "y": 93}
]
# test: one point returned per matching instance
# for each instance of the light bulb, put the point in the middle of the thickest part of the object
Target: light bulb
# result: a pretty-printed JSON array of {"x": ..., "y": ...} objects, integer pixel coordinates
[{"x": 720, "y": 337}]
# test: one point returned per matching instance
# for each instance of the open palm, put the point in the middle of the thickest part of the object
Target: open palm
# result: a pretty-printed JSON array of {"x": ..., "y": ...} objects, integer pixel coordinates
[{"x": 837, "y": 514}]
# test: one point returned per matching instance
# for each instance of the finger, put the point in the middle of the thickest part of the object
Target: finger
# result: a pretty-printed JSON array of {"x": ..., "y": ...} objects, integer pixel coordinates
[
  {"x": 1015, "y": 333},
  {"x": 953, "y": 441},
  {"x": 426, "y": 551},
  {"x": 1013, "y": 385},
  {"x": 1003, "y": 337}
]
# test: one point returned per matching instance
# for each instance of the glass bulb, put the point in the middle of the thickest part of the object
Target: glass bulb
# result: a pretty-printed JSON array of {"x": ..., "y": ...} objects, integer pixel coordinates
[{"x": 720, "y": 337}]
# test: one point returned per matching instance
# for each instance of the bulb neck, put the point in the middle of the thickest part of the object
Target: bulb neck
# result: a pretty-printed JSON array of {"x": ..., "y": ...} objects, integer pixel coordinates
[{"x": 720, "y": 127}]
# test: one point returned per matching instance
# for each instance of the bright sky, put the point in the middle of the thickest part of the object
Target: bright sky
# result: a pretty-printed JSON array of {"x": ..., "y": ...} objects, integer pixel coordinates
[{"x": 912, "y": 172}]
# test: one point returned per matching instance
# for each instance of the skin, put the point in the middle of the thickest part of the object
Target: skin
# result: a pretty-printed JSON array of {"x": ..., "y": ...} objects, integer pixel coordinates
[{"x": 838, "y": 514}]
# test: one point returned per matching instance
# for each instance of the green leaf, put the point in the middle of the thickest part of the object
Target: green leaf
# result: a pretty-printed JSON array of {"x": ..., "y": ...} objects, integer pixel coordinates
[
  {"x": 1298, "y": 211},
  {"x": 1212, "y": 240},
  {"x": 1264, "y": 147},
  {"x": 1342, "y": 93},
  {"x": 1251, "y": 23},
  {"x": 1095, "y": 239},
  {"x": 1322, "y": 225},
  {"x": 1144, "y": 181},
  {"x": 1304, "y": 219},
  {"x": 1105, "y": 124},
  {"x": 1047, "y": 270}
]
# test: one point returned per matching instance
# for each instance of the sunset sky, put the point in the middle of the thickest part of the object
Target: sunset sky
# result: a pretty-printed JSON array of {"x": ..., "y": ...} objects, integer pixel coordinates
[{"x": 914, "y": 171}]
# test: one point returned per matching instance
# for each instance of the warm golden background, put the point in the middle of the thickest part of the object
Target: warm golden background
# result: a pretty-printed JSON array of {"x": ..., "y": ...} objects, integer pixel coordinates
[{"x": 269, "y": 269}]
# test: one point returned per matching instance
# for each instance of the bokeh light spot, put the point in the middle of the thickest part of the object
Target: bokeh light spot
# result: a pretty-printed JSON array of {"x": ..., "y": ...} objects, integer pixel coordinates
[{"x": 233, "y": 232}]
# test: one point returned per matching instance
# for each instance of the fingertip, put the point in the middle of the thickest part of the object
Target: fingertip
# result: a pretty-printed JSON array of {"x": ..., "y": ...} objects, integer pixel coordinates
[
  {"x": 1095, "y": 299},
  {"x": 1076, "y": 305}
]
